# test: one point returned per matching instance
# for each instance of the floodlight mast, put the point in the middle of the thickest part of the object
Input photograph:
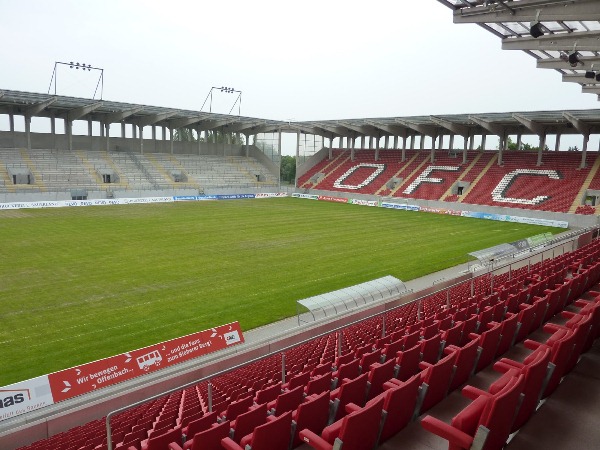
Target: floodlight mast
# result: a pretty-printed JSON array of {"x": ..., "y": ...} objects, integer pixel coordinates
[
  {"x": 226, "y": 90},
  {"x": 78, "y": 66}
]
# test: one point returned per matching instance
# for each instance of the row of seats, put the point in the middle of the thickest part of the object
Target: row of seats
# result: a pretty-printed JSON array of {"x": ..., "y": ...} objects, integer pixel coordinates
[
  {"x": 519, "y": 182},
  {"x": 394, "y": 369}
]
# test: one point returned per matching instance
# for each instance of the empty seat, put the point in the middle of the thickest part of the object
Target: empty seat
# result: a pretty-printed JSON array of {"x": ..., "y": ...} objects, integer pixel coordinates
[
  {"x": 351, "y": 391},
  {"x": 209, "y": 439},
  {"x": 400, "y": 401},
  {"x": 313, "y": 415},
  {"x": 288, "y": 401},
  {"x": 356, "y": 431},
  {"x": 275, "y": 434}
]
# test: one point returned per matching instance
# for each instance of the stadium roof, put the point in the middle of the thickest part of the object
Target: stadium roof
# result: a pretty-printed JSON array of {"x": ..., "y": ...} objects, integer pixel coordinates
[
  {"x": 560, "y": 34},
  {"x": 29, "y": 104}
]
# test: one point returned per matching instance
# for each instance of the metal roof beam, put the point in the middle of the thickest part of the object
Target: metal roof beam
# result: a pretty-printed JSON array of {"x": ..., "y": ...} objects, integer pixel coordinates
[
  {"x": 590, "y": 89},
  {"x": 585, "y": 40},
  {"x": 419, "y": 128},
  {"x": 78, "y": 113},
  {"x": 121, "y": 115},
  {"x": 557, "y": 63},
  {"x": 393, "y": 130},
  {"x": 579, "y": 124},
  {"x": 219, "y": 123},
  {"x": 185, "y": 121},
  {"x": 534, "y": 127},
  {"x": 155, "y": 118},
  {"x": 358, "y": 129},
  {"x": 578, "y": 78},
  {"x": 243, "y": 126},
  {"x": 526, "y": 11},
  {"x": 493, "y": 128},
  {"x": 456, "y": 128},
  {"x": 38, "y": 107}
]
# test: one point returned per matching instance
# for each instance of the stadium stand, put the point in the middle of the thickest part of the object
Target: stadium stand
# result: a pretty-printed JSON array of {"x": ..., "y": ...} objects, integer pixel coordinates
[
  {"x": 60, "y": 171},
  {"x": 561, "y": 324},
  {"x": 519, "y": 182}
]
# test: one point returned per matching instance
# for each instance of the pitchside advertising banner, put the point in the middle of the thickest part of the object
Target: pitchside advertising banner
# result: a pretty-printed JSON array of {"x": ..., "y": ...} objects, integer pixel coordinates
[{"x": 46, "y": 390}]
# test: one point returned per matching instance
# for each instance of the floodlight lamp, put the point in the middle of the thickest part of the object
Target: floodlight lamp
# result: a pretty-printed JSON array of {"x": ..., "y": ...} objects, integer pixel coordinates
[
  {"x": 574, "y": 59},
  {"x": 590, "y": 74},
  {"x": 536, "y": 30}
]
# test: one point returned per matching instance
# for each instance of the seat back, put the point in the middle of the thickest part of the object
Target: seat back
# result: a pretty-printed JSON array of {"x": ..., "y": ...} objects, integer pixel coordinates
[
  {"x": 301, "y": 379},
  {"x": 500, "y": 413},
  {"x": 268, "y": 394},
  {"x": 289, "y": 401},
  {"x": 452, "y": 335},
  {"x": 162, "y": 441},
  {"x": 360, "y": 429},
  {"x": 408, "y": 362},
  {"x": 464, "y": 364},
  {"x": 210, "y": 439},
  {"x": 201, "y": 424},
  {"x": 411, "y": 339},
  {"x": 399, "y": 405},
  {"x": 238, "y": 407},
  {"x": 367, "y": 359},
  {"x": 354, "y": 391},
  {"x": 379, "y": 374},
  {"x": 312, "y": 415},
  {"x": 430, "y": 348},
  {"x": 437, "y": 377},
  {"x": 273, "y": 435},
  {"x": 348, "y": 370},
  {"x": 248, "y": 421},
  {"x": 390, "y": 349},
  {"x": 535, "y": 369},
  {"x": 318, "y": 384},
  {"x": 508, "y": 328},
  {"x": 470, "y": 326},
  {"x": 488, "y": 342}
]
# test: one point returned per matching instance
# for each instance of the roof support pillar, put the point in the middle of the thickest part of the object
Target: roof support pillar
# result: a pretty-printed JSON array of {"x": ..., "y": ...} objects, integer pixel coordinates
[
  {"x": 171, "y": 139},
  {"x": 53, "y": 130},
  {"x": 90, "y": 134},
  {"x": 11, "y": 122},
  {"x": 352, "y": 154},
  {"x": 28, "y": 131},
  {"x": 107, "y": 125},
  {"x": 541, "y": 149},
  {"x": 412, "y": 141},
  {"x": 395, "y": 143},
  {"x": 519, "y": 140},
  {"x": 472, "y": 141},
  {"x": 586, "y": 139},
  {"x": 451, "y": 144},
  {"x": 279, "y": 156},
  {"x": 141, "y": 140},
  {"x": 422, "y": 143},
  {"x": 483, "y": 139},
  {"x": 298, "y": 156},
  {"x": 133, "y": 131},
  {"x": 122, "y": 129},
  {"x": 69, "y": 133},
  {"x": 557, "y": 144},
  {"x": 362, "y": 143},
  {"x": 386, "y": 142},
  {"x": 465, "y": 152},
  {"x": 198, "y": 141}
]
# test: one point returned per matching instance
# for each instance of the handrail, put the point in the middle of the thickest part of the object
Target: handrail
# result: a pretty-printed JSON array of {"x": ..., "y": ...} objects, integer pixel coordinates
[{"x": 563, "y": 240}]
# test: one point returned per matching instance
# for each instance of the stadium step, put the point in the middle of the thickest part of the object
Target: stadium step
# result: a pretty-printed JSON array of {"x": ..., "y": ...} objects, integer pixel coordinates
[
  {"x": 460, "y": 178},
  {"x": 479, "y": 177},
  {"x": 585, "y": 186}
]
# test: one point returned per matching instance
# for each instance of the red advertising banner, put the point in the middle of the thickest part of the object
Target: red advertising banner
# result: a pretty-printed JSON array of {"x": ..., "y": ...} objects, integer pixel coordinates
[
  {"x": 106, "y": 372},
  {"x": 327, "y": 198}
]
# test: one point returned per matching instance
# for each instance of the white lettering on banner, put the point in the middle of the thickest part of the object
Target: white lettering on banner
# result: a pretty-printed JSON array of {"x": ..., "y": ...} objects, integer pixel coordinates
[
  {"x": 424, "y": 177},
  {"x": 339, "y": 183},
  {"x": 25, "y": 396},
  {"x": 365, "y": 202},
  {"x": 308, "y": 196},
  {"x": 270, "y": 195},
  {"x": 507, "y": 181}
]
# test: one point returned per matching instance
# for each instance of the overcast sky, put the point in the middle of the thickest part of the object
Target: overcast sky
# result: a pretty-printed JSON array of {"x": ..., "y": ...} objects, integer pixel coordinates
[{"x": 306, "y": 60}]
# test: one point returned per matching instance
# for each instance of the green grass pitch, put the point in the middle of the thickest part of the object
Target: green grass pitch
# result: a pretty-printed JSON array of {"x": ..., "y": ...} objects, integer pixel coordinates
[{"x": 80, "y": 284}]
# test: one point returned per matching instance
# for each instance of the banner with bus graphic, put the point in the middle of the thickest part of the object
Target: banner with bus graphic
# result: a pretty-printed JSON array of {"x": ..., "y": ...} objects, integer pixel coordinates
[{"x": 59, "y": 386}]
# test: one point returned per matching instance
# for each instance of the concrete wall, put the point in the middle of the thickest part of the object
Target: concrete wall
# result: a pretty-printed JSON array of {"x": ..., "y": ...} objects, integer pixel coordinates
[
  {"x": 575, "y": 220},
  {"x": 312, "y": 162},
  {"x": 256, "y": 153}
]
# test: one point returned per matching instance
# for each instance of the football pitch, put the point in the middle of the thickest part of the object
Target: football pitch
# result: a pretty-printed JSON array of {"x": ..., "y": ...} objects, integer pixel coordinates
[{"x": 80, "y": 284}]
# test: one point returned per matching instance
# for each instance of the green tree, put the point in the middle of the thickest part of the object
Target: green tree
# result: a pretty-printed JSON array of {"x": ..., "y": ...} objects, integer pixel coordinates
[
  {"x": 288, "y": 169},
  {"x": 220, "y": 137},
  {"x": 184, "y": 134}
]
